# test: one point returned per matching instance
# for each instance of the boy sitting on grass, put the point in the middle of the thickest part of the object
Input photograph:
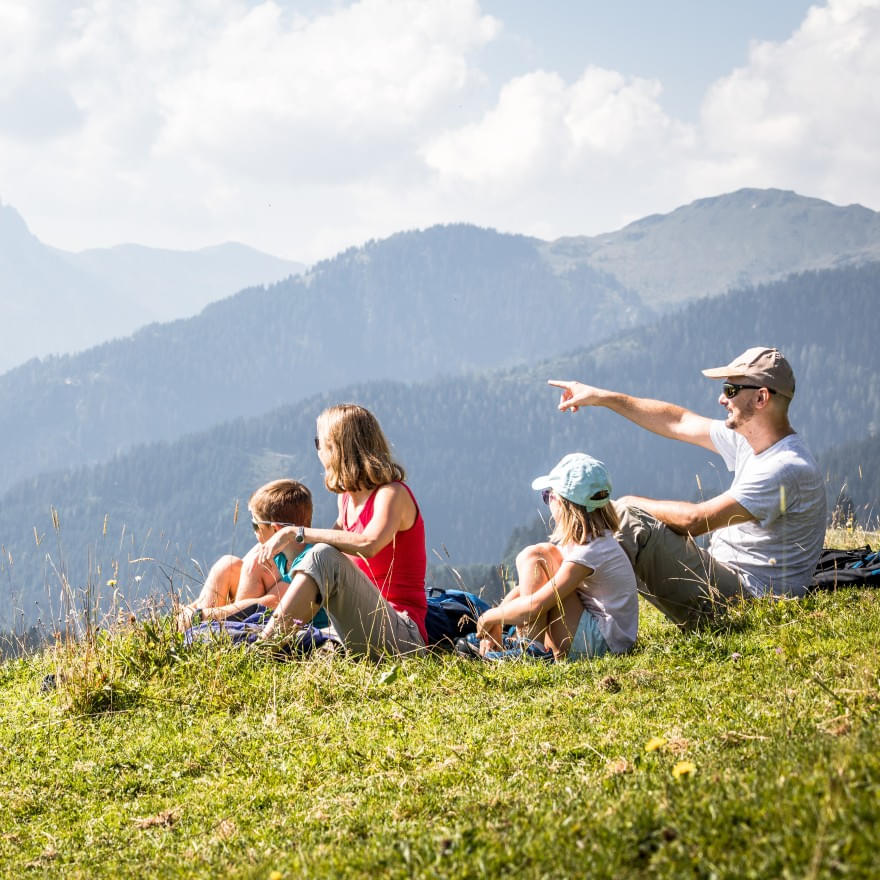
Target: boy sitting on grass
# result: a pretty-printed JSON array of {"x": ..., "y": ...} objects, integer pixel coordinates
[{"x": 237, "y": 584}]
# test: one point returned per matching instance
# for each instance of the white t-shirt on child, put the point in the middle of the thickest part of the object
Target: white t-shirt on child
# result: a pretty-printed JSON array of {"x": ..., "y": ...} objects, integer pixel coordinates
[{"x": 609, "y": 593}]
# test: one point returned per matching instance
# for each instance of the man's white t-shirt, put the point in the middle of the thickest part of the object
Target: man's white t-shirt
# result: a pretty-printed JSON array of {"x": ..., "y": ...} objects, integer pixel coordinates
[{"x": 783, "y": 489}]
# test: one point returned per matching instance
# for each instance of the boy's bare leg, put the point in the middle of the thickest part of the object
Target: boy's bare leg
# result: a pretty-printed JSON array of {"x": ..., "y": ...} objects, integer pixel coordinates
[
  {"x": 299, "y": 604},
  {"x": 232, "y": 578},
  {"x": 221, "y": 583}
]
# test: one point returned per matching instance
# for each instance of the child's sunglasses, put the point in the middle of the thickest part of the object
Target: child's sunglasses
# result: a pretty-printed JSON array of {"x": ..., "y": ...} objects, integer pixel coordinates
[{"x": 256, "y": 523}]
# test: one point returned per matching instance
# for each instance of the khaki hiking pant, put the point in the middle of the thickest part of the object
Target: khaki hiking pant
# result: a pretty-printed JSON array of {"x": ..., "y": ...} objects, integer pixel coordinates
[
  {"x": 364, "y": 621},
  {"x": 675, "y": 575}
]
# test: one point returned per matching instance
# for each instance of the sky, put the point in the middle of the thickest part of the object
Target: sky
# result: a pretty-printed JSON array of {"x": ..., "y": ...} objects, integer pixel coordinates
[{"x": 303, "y": 128}]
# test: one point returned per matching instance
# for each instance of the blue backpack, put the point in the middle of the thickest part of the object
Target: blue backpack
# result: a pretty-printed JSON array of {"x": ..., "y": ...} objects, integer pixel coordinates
[
  {"x": 847, "y": 568},
  {"x": 451, "y": 615}
]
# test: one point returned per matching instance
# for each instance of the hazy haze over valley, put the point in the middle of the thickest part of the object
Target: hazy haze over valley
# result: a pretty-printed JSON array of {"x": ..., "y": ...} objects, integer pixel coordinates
[{"x": 56, "y": 302}]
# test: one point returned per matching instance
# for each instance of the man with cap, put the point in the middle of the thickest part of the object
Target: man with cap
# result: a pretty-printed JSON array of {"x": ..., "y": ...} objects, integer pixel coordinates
[{"x": 767, "y": 529}]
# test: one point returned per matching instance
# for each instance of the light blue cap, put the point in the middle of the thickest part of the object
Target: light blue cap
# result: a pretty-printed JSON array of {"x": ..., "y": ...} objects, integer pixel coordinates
[{"x": 578, "y": 477}]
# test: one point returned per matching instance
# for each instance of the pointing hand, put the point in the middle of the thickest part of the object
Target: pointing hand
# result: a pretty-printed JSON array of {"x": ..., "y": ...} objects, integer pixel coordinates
[{"x": 574, "y": 394}]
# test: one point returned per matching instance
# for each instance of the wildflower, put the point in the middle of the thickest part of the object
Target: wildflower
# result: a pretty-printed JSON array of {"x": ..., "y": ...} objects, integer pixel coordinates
[
  {"x": 654, "y": 743},
  {"x": 684, "y": 768},
  {"x": 275, "y": 875},
  {"x": 111, "y": 582}
]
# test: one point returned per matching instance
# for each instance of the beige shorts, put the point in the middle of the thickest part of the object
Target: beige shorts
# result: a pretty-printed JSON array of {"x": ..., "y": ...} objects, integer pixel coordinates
[
  {"x": 364, "y": 620},
  {"x": 674, "y": 574}
]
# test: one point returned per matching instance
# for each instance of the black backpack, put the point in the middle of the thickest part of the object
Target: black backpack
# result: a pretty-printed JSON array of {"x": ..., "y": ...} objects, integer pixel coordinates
[
  {"x": 451, "y": 615},
  {"x": 847, "y": 568}
]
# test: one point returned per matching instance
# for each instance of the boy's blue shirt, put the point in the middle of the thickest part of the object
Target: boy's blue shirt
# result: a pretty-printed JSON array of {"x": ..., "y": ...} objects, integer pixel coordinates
[{"x": 320, "y": 619}]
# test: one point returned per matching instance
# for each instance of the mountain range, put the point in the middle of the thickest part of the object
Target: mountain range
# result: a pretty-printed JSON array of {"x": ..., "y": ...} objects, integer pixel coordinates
[
  {"x": 57, "y": 302},
  {"x": 415, "y": 305},
  {"x": 712, "y": 245}
]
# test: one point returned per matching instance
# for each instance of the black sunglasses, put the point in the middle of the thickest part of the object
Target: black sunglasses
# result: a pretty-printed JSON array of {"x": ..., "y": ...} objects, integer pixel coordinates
[
  {"x": 317, "y": 443},
  {"x": 545, "y": 495},
  {"x": 731, "y": 389}
]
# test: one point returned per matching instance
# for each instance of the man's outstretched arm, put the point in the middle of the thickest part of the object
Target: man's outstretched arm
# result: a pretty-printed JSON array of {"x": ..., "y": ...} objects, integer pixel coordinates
[
  {"x": 665, "y": 419},
  {"x": 689, "y": 518}
]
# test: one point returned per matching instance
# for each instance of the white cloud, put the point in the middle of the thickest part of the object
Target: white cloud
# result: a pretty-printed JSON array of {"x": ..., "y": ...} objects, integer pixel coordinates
[
  {"x": 803, "y": 113},
  {"x": 541, "y": 122},
  {"x": 314, "y": 98},
  {"x": 552, "y": 159},
  {"x": 186, "y": 122},
  {"x": 184, "y": 113}
]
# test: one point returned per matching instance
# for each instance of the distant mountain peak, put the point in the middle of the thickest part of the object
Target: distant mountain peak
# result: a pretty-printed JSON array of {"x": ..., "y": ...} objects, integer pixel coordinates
[
  {"x": 736, "y": 239},
  {"x": 57, "y": 301},
  {"x": 12, "y": 225}
]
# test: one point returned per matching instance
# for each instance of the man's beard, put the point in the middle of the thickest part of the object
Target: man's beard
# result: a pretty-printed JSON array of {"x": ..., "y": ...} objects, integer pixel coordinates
[{"x": 736, "y": 420}]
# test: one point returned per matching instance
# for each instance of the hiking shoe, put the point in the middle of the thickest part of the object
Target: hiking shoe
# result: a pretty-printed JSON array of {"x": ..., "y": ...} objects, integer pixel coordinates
[
  {"x": 513, "y": 649},
  {"x": 468, "y": 646},
  {"x": 520, "y": 649}
]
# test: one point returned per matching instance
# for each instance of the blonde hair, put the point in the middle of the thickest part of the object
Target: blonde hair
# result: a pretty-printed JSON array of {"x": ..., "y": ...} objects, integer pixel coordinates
[
  {"x": 282, "y": 501},
  {"x": 577, "y": 525},
  {"x": 359, "y": 454}
]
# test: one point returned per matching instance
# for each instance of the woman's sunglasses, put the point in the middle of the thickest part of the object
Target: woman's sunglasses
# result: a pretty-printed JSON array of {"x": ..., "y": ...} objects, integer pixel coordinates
[
  {"x": 545, "y": 495},
  {"x": 731, "y": 389}
]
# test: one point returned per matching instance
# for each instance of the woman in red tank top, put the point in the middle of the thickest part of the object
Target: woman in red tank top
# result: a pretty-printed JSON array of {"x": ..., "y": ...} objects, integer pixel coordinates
[{"x": 368, "y": 571}]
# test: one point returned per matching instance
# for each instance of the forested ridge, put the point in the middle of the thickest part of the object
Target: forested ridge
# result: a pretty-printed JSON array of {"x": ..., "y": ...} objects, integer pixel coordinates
[
  {"x": 471, "y": 443},
  {"x": 414, "y": 305}
]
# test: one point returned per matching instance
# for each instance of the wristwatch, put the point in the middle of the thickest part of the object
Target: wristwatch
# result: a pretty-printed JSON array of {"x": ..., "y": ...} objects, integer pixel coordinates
[{"x": 300, "y": 534}]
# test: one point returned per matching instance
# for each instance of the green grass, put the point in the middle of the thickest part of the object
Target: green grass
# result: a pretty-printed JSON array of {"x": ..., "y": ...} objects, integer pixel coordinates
[{"x": 153, "y": 761}]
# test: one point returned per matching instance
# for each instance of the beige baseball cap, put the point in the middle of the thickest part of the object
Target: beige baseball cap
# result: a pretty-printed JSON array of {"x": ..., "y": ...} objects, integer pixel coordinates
[{"x": 764, "y": 366}]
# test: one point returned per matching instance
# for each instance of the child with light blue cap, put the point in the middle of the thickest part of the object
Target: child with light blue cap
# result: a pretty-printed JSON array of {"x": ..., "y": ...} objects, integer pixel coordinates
[{"x": 576, "y": 594}]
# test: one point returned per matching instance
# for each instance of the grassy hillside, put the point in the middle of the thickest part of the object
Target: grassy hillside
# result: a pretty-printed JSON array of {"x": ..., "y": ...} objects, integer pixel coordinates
[{"x": 748, "y": 750}]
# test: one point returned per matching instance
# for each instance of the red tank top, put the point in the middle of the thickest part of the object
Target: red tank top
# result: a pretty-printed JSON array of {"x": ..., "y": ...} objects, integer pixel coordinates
[{"x": 398, "y": 569}]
